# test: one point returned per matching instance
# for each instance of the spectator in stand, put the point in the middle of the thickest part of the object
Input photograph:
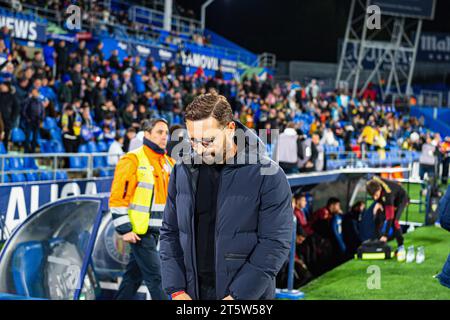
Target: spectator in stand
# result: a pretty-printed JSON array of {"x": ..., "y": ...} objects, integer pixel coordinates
[
  {"x": 313, "y": 90},
  {"x": 307, "y": 157},
  {"x": 367, "y": 138},
  {"x": 38, "y": 61},
  {"x": 289, "y": 150},
  {"x": 126, "y": 89},
  {"x": 428, "y": 158},
  {"x": 9, "y": 110},
  {"x": 76, "y": 78},
  {"x": 115, "y": 150},
  {"x": 445, "y": 150},
  {"x": 108, "y": 135},
  {"x": 318, "y": 152},
  {"x": 168, "y": 106},
  {"x": 129, "y": 116},
  {"x": 137, "y": 141},
  {"x": 33, "y": 114},
  {"x": 114, "y": 61},
  {"x": 71, "y": 127},
  {"x": 62, "y": 59},
  {"x": 129, "y": 135},
  {"x": 50, "y": 55},
  {"x": 143, "y": 113}
]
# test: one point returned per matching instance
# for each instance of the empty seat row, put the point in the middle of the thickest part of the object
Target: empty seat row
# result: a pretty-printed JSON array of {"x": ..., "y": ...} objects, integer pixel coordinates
[{"x": 34, "y": 176}]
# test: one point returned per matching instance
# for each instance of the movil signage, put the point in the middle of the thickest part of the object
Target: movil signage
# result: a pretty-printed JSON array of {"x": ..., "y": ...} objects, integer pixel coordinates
[{"x": 200, "y": 60}]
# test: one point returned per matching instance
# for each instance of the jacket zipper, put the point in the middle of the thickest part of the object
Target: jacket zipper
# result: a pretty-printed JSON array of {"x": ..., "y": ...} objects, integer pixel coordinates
[
  {"x": 193, "y": 249},
  {"x": 215, "y": 225}
]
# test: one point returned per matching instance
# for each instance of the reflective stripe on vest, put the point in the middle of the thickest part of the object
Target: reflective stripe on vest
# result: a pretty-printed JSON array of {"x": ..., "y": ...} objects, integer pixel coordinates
[
  {"x": 143, "y": 199},
  {"x": 139, "y": 208}
]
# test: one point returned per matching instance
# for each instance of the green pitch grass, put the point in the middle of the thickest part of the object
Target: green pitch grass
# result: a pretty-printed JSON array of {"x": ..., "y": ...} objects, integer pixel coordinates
[{"x": 399, "y": 280}]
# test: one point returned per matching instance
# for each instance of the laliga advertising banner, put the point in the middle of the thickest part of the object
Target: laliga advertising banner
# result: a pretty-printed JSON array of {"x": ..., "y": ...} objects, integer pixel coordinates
[
  {"x": 19, "y": 201},
  {"x": 133, "y": 48},
  {"x": 25, "y": 29}
]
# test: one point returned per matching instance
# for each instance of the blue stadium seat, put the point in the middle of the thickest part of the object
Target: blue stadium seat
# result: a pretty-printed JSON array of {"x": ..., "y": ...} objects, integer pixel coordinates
[
  {"x": 27, "y": 269},
  {"x": 83, "y": 148},
  {"x": 61, "y": 175},
  {"x": 46, "y": 175},
  {"x": 91, "y": 147},
  {"x": 50, "y": 123},
  {"x": 78, "y": 162},
  {"x": 2, "y": 148},
  {"x": 99, "y": 162},
  {"x": 29, "y": 163},
  {"x": 17, "y": 177},
  {"x": 106, "y": 173},
  {"x": 17, "y": 135},
  {"x": 31, "y": 176},
  {"x": 55, "y": 133},
  {"x": 102, "y": 147},
  {"x": 5, "y": 178},
  {"x": 56, "y": 146},
  {"x": 45, "y": 146},
  {"x": 16, "y": 163}
]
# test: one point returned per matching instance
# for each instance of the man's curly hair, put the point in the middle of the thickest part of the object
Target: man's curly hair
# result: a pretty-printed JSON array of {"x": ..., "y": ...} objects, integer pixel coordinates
[{"x": 207, "y": 105}]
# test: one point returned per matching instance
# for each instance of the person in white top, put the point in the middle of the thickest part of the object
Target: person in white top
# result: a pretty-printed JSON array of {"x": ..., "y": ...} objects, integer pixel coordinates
[
  {"x": 115, "y": 151},
  {"x": 138, "y": 140}
]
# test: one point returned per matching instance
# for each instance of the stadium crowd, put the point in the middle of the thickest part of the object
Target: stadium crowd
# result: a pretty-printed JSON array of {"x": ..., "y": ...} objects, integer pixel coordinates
[{"x": 94, "y": 98}]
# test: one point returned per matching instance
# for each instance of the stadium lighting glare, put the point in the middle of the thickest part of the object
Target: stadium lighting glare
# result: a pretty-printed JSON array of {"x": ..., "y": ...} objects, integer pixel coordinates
[{"x": 203, "y": 12}]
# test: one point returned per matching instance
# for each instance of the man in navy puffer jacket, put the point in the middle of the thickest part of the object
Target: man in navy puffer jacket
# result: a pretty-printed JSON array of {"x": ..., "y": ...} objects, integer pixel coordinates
[
  {"x": 227, "y": 224},
  {"x": 444, "y": 214}
]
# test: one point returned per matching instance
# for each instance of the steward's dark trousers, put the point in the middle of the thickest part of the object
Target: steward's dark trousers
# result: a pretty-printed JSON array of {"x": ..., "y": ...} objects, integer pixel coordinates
[{"x": 144, "y": 265}]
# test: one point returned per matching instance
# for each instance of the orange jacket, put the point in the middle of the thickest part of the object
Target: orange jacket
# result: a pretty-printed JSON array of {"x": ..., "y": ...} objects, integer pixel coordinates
[{"x": 125, "y": 182}]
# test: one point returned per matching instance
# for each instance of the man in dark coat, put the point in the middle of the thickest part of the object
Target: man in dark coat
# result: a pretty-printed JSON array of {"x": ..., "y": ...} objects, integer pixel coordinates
[
  {"x": 9, "y": 109},
  {"x": 33, "y": 114},
  {"x": 444, "y": 217},
  {"x": 228, "y": 220}
]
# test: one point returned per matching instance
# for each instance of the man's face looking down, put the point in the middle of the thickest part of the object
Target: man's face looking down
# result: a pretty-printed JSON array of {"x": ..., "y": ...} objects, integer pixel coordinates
[{"x": 212, "y": 140}]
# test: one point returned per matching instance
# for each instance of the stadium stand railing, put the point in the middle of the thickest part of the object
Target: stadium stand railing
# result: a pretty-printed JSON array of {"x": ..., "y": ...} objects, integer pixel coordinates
[
  {"x": 152, "y": 33},
  {"x": 16, "y": 168},
  {"x": 337, "y": 159}
]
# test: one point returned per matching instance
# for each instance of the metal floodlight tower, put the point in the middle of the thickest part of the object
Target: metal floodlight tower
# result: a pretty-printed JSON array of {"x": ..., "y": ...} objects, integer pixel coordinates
[
  {"x": 203, "y": 13},
  {"x": 396, "y": 40}
]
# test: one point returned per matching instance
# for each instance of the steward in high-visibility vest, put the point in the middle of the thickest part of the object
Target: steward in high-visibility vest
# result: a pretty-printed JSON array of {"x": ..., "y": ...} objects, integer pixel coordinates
[{"x": 138, "y": 196}]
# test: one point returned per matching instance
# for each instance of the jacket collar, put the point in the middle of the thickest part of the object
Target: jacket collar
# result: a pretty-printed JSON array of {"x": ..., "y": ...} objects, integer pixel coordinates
[{"x": 154, "y": 147}]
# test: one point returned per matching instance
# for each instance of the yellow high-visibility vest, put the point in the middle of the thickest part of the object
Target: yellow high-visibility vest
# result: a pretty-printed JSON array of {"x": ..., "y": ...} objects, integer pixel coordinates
[{"x": 142, "y": 203}]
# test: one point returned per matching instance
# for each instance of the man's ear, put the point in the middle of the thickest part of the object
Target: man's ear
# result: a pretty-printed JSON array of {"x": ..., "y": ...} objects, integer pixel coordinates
[{"x": 231, "y": 125}]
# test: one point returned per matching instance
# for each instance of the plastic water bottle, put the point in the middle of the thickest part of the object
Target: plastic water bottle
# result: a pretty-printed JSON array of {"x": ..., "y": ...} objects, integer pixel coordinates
[
  {"x": 420, "y": 257},
  {"x": 401, "y": 254},
  {"x": 410, "y": 255}
]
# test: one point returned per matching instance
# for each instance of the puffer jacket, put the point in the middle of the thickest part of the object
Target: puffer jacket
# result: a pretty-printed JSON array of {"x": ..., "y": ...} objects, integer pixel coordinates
[{"x": 254, "y": 227}]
